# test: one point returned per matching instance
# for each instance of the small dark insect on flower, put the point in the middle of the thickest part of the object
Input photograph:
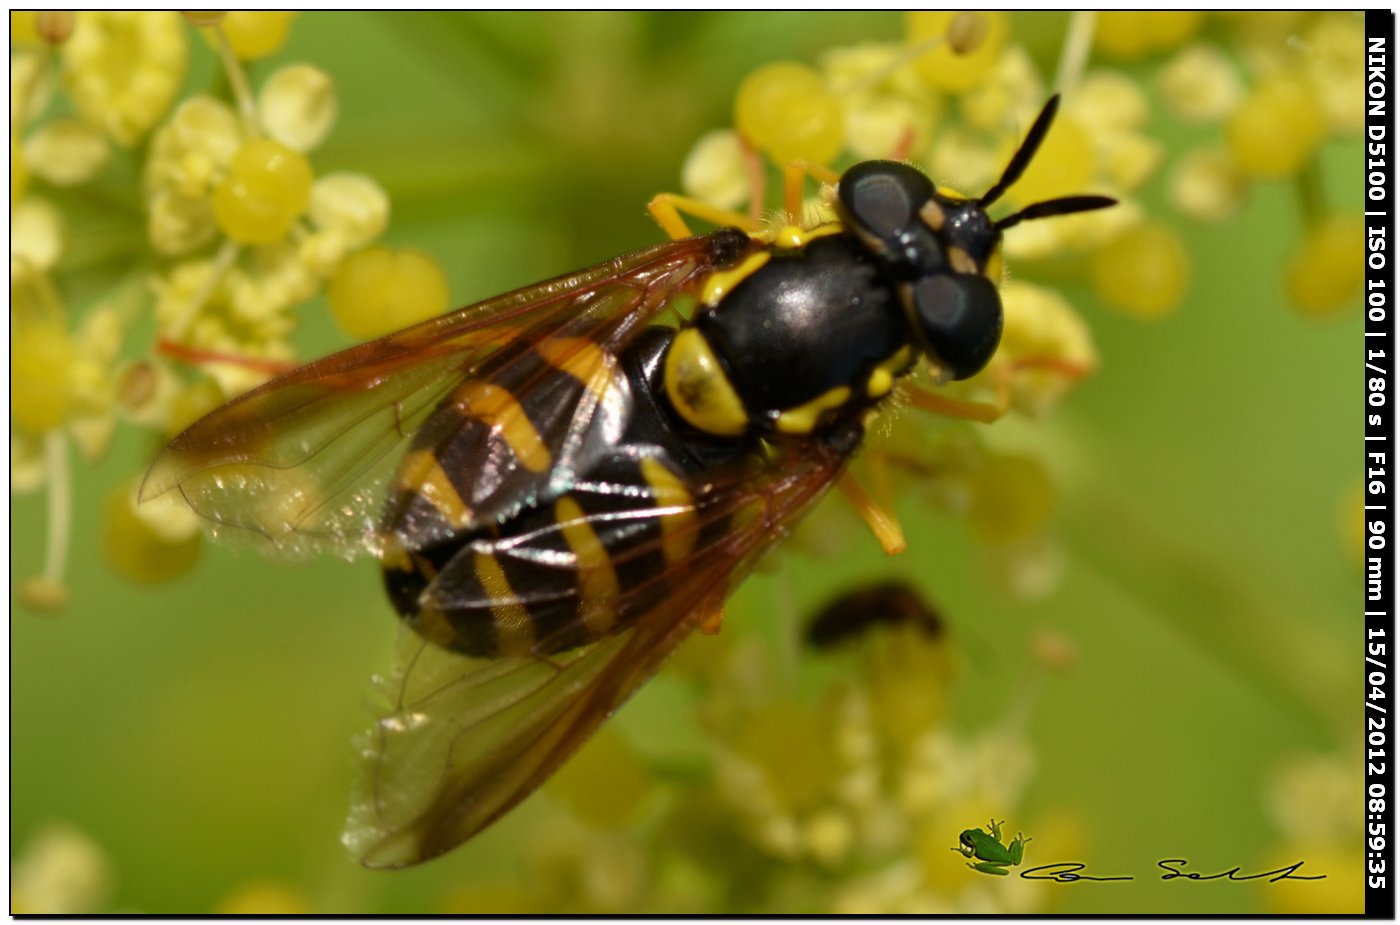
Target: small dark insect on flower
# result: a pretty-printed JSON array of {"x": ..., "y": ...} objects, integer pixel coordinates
[{"x": 887, "y": 603}]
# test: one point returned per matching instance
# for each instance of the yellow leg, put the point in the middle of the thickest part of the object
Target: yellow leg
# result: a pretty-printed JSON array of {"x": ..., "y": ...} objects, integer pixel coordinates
[
  {"x": 987, "y": 412},
  {"x": 712, "y": 623},
  {"x": 880, "y": 521},
  {"x": 795, "y": 174},
  {"x": 666, "y": 208},
  {"x": 981, "y": 411},
  {"x": 754, "y": 167}
]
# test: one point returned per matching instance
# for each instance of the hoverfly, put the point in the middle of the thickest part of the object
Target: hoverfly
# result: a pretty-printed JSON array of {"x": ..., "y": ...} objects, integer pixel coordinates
[{"x": 560, "y": 487}]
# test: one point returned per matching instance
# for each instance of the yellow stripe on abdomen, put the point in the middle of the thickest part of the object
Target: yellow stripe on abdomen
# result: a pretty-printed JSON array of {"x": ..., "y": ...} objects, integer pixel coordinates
[
  {"x": 581, "y": 358},
  {"x": 515, "y": 630},
  {"x": 498, "y": 409},
  {"x": 422, "y": 474},
  {"x": 678, "y": 527},
  {"x": 597, "y": 580}
]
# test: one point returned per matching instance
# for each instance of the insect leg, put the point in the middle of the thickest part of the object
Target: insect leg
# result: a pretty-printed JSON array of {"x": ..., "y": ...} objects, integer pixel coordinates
[
  {"x": 795, "y": 174},
  {"x": 712, "y": 623},
  {"x": 880, "y": 521},
  {"x": 981, "y": 411},
  {"x": 987, "y": 412},
  {"x": 666, "y": 208}
]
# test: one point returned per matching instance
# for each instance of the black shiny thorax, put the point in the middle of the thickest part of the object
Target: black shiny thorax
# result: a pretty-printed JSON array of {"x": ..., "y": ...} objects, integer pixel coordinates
[{"x": 810, "y": 320}]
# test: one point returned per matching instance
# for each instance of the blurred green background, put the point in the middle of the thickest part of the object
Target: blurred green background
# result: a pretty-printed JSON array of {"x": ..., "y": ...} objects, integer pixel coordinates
[{"x": 199, "y": 732}]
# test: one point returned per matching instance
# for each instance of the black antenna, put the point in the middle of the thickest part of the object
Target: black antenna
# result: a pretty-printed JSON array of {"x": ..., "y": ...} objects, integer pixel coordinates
[
  {"x": 1023, "y": 154},
  {"x": 1061, "y": 206}
]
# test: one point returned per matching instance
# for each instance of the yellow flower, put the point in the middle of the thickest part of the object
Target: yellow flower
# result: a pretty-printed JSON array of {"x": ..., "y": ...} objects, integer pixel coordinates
[
  {"x": 348, "y": 210},
  {"x": 1045, "y": 347},
  {"x": 36, "y": 236},
  {"x": 1128, "y": 35},
  {"x": 23, "y": 28},
  {"x": 947, "y": 68},
  {"x": 889, "y": 111},
  {"x": 265, "y": 897},
  {"x": 61, "y": 872},
  {"x": 124, "y": 69},
  {"x": 188, "y": 155},
  {"x": 297, "y": 106},
  {"x": 1144, "y": 271},
  {"x": 232, "y": 320},
  {"x": 788, "y": 111},
  {"x": 1117, "y": 109},
  {"x": 964, "y": 161},
  {"x": 97, "y": 346},
  {"x": 380, "y": 290},
  {"x": 1206, "y": 184},
  {"x": 148, "y": 543},
  {"x": 31, "y": 85},
  {"x": 714, "y": 171},
  {"x": 1324, "y": 277},
  {"x": 1333, "y": 45},
  {"x": 1200, "y": 84},
  {"x": 1275, "y": 130},
  {"x": 41, "y": 355},
  {"x": 67, "y": 152},
  {"x": 1008, "y": 96},
  {"x": 257, "y": 33}
]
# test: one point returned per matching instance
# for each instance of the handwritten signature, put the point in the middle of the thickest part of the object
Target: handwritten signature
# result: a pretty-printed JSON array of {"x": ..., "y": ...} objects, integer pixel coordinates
[{"x": 1069, "y": 872}]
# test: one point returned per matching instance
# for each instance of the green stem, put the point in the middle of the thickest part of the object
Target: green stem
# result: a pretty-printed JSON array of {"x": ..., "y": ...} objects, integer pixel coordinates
[
  {"x": 1270, "y": 638},
  {"x": 223, "y": 261},
  {"x": 1075, "y": 53},
  {"x": 242, "y": 92},
  {"x": 60, "y": 504},
  {"x": 1312, "y": 201}
]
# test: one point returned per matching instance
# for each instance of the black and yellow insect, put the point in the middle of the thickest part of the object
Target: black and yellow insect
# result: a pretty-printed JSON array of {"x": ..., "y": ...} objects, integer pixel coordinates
[{"x": 560, "y": 486}]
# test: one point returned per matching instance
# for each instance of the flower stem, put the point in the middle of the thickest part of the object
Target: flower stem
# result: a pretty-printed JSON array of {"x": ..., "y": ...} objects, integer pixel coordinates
[
  {"x": 60, "y": 505},
  {"x": 242, "y": 93},
  {"x": 1311, "y": 198},
  {"x": 1075, "y": 53},
  {"x": 223, "y": 261}
]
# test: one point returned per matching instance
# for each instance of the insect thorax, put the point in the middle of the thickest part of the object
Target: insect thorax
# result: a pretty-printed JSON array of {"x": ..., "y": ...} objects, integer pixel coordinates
[{"x": 811, "y": 335}]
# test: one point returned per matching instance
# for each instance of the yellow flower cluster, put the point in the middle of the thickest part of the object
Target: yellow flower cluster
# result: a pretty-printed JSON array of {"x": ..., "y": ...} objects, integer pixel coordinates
[
  {"x": 237, "y": 224},
  {"x": 1278, "y": 86},
  {"x": 844, "y": 801}
]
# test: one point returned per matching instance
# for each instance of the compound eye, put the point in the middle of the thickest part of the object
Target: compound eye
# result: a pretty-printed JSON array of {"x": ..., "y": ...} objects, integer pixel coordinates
[
  {"x": 959, "y": 316},
  {"x": 883, "y": 197}
]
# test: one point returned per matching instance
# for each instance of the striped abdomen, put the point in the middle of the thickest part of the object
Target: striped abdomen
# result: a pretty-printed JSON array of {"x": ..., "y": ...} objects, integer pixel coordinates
[{"x": 546, "y": 505}]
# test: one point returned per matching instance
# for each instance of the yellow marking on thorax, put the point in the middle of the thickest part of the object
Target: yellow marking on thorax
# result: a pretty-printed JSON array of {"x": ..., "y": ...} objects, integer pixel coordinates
[
  {"x": 678, "y": 528},
  {"x": 721, "y": 282},
  {"x": 597, "y": 580},
  {"x": 422, "y": 473},
  {"x": 581, "y": 358},
  {"x": 933, "y": 215},
  {"x": 699, "y": 389},
  {"x": 881, "y": 381},
  {"x": 793, "y": 237},
  {"x": 803, "y": 419},
  {"x": 498, "y": 409},
  {"x": 961, "y": 261},
  {"x": 515, "y": 631}
]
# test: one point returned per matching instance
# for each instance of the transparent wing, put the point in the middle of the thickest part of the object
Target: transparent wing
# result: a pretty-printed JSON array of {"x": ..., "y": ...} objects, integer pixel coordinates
[
  {"x": 301, "y": 463},
  {"x": 462, "y": 740}
]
